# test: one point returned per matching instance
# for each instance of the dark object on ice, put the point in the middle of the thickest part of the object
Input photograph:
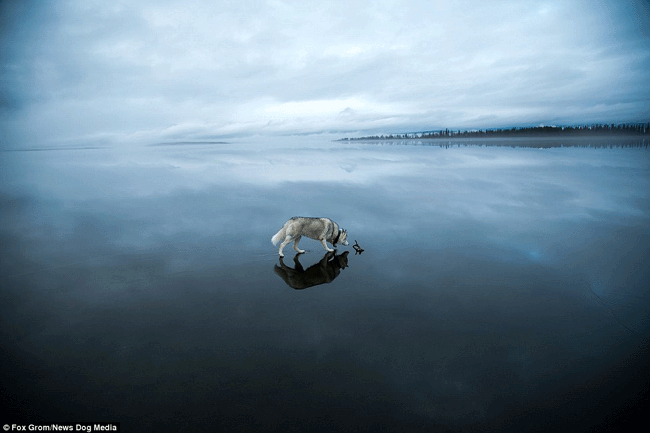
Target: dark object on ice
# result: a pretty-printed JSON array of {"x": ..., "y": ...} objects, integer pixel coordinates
[
  {"x": 322, "y": 272},
  {"x": 357, "y": 248}
]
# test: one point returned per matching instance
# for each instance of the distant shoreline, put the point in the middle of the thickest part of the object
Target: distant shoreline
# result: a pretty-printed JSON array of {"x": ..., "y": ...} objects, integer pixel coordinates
[
  {"x": 637, "y": 130},
  {"x": 495, "y": 138},
  {"x": 538, "y": 142}
]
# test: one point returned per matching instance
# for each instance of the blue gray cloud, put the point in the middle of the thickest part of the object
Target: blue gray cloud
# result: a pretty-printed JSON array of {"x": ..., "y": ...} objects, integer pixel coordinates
[{"x": 94, "y": 71}]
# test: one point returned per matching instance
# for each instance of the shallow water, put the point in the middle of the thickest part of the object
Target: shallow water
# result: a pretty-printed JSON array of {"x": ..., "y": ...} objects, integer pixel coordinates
[{"x": 500, "y": 287}]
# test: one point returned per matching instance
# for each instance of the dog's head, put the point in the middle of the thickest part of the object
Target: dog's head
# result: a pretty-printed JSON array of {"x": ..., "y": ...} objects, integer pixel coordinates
[{"x": 343, "y": 237}]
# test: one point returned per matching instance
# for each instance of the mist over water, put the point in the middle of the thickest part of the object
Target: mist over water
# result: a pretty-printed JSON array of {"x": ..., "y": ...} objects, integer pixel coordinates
[{"x": 500, "y": 287}]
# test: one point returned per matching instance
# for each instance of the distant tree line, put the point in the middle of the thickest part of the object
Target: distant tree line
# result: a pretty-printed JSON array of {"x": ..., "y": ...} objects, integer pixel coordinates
[{"x": 533, "y": 131}]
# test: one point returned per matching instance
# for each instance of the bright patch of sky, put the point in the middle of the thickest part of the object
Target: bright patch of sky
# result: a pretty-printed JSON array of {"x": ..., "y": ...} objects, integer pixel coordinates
[{"x": 123, "y": 71}]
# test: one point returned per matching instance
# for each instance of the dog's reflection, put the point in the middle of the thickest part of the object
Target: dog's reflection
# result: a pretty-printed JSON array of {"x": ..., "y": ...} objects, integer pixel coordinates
[{"x": 328, "y": 268}]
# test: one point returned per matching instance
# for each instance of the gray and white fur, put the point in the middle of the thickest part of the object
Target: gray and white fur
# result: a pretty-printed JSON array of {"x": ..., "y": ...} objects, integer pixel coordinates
[{"x": 321, "y": 229}]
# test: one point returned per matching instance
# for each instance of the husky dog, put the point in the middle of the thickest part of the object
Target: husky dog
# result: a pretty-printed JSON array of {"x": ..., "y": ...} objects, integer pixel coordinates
[{"x": 320, "y": 229}]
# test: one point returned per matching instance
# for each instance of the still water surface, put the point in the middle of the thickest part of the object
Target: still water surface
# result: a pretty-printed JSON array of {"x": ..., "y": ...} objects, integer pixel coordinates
[{"x": 500, "y": 287}]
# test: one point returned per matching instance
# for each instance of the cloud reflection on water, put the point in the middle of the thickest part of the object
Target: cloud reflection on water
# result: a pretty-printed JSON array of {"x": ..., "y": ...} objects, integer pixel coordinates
[{"x": 481, "y": 282}]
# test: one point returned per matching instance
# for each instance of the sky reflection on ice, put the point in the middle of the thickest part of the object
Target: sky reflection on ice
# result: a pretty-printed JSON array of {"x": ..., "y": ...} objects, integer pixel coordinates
[{"x": 490, "y": 277}]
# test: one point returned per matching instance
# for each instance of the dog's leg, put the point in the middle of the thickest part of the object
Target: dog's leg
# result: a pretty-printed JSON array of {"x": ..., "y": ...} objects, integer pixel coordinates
[
  {"x": 297, "y": 265},
  {"x": 284, "y": 244},
  {"x": 322, "y": 241},
  {"x": 295, "y": 245}
]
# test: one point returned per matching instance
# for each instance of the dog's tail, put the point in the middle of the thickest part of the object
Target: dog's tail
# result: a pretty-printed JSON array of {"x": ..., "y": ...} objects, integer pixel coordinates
[{"x": 279, "y": 235}]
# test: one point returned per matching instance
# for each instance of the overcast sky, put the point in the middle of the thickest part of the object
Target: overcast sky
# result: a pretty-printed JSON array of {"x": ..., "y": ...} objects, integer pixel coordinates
[{"x": 95, "y": 71}]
